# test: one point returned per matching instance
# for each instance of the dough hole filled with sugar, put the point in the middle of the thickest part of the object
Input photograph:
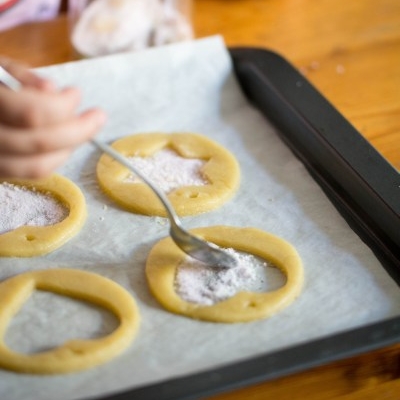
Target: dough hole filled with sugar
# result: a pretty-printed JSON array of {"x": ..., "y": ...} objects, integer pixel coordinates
[
  {"x": 77, "y": 354},
  {"x": 165, "y": 258},
  {"x": 39, "y": 216},
  {"x": 205, "y": 188}
]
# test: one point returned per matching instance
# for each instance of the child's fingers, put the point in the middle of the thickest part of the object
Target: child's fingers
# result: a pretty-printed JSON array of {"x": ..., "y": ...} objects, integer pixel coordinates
[
  {"x": 32, "y": 167},
  {"x": 26, "y": 76},
  {"x": 32, "y": 108},
  {"x": 69, "y": 134}
]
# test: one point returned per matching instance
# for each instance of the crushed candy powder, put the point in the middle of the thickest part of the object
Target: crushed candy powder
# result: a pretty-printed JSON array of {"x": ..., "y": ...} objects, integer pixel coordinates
[
  {"x": 198, "y": 283},
  {"x": 20, "y": 206},
  {"x": 168, "y": 170}
]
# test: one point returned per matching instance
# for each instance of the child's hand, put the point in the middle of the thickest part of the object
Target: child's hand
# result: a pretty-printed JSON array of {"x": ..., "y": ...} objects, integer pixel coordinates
[{"x": 39, "y": 125}]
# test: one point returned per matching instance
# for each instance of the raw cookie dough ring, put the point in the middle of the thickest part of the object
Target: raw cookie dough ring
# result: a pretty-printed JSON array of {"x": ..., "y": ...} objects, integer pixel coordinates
[
  {"x": 77, "y": 354},
  {"x": 29, "y": 241},
  {"x": 165, "y": 257},
  {"x": 221, "y": 170}
]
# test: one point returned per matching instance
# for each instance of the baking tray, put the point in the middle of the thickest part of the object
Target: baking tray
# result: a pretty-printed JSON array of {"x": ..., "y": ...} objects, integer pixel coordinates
[{"x": 360, "y": 183}]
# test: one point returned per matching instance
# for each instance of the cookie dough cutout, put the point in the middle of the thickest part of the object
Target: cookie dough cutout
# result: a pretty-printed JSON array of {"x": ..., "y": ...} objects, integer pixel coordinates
[
  {"x": 77, "y": 354},
  {"x": 30, "y": 241},
  {"x": 165, "y": 257},
  {"x": 221, "y": 171}
]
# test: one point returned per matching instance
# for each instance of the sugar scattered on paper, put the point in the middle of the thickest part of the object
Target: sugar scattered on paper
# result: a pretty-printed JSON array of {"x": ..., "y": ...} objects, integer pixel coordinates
[
  {"x": 20, "y": 206},
  {"x": 198, "y": 283},
  {"x": 168, "y": 170}
]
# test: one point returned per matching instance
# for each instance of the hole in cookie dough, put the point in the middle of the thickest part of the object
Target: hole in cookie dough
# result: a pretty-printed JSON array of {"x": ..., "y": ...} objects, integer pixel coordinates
[
  {"x": 198, "y": 283},
  {"x": 39, "y": 215},
  {"x": 88, "y": 335},
  {"x": 22, "y": 206},
  {"x": 187, "y": 194},
  {"x": 78, "y": 351},
  {"x": 47, "y": 320},
  {"x": 168, "y": 170},
  {"x": 165, "y": 259},
  {"x": 213, "y": 172}
]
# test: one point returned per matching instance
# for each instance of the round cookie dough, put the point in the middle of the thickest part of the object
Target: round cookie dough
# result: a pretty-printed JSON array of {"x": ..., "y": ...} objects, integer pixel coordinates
[
  {"x": 29, "y": 241},
  {"x": 165, "y": 257},
  {"x": 221, "y": 170},
  {"x": 77, "y": 354}
]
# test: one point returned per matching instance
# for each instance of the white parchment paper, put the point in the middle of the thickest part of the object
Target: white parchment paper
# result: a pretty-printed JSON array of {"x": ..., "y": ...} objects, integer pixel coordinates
[{"x": 190, "y": 87}]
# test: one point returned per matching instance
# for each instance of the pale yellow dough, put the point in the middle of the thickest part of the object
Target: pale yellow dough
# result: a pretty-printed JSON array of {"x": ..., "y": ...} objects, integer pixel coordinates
[
  {"x": 221, "y": 170},
  {"x": 77, "y": 354},
  {"x": 29, "y": 241},
  {"x": 165, "y": 257}
]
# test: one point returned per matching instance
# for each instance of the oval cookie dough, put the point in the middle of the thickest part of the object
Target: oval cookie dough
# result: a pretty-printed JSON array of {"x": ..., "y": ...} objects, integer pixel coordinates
[
  {"x": 221, "y": 170},
  {"x": 165, "y": 257},
  {"x": 77, "y": 354},
  {"x": 29, "y": 241}
]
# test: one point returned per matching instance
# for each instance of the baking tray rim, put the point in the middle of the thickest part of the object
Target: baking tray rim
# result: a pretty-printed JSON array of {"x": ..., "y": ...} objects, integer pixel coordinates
[{"x": 299, "y": 357}]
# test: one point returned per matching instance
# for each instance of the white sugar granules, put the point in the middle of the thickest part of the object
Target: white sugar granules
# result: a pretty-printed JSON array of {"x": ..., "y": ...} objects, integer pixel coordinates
[
  {"x": 197, "y": 283},
  {"x": 21, "y": 206},
  {"x": 168, "y": 170}
]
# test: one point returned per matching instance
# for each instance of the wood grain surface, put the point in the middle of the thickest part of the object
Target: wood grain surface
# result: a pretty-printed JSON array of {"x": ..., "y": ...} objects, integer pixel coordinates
[{"x": 350, "y": 51}]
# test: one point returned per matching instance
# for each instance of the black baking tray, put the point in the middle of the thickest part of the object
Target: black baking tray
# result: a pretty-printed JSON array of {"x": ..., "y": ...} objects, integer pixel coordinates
[{"x": 360, "y": 183}]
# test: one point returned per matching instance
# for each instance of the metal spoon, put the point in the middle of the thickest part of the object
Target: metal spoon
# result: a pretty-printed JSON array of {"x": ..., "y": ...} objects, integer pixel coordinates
[
  {"x": 195, "y": 247},
  {"x": 192, "y": 245}
]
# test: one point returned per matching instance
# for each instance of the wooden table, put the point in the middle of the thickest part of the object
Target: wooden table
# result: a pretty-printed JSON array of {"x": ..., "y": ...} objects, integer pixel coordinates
[{"x": 350, "y": 50}]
